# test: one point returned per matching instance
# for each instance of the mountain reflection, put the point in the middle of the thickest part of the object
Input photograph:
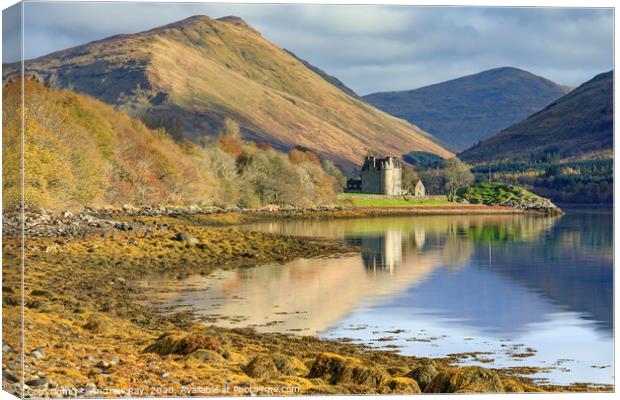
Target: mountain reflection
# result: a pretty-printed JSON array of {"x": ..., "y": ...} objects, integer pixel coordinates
[
  {"x": 502, "y": 273},
  {"x": 496, "y": 274}
]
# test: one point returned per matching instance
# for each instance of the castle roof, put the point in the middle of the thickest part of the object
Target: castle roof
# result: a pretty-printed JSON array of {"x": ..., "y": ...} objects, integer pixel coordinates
[{"x": 379, "y": 163}]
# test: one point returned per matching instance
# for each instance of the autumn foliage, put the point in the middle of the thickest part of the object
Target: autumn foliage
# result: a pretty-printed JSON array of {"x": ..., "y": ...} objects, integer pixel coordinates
[{"x": 80, "y": 152}]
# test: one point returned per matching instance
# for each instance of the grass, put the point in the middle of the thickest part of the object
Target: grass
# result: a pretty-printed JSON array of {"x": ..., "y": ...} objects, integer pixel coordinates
[{"x": 376, "y": 200}]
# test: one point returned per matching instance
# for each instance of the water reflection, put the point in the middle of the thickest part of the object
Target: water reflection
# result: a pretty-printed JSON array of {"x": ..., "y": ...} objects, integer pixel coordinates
[{"x": 467, "y": 281}]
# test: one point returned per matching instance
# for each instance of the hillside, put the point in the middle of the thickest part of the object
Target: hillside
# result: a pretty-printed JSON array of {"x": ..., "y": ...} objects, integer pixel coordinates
[
  {"x": 463, "y": 111},
  {"x": 329, "y": 78},
  {"x": 576, "y": 125},
  {"x": 80, "y": 152},
  {"x": 189, "y": 76}
]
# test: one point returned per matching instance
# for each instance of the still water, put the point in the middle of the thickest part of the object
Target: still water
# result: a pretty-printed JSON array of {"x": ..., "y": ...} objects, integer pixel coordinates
[{"x": 517, "y": 290}]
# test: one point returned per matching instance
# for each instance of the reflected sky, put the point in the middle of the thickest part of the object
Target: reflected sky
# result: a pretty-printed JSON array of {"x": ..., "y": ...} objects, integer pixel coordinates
[{"x": 433, "y": 286}]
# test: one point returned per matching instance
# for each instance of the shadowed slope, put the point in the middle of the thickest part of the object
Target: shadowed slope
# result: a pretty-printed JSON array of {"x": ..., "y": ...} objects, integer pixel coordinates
[
  {"x": 577, "y": 124},
  {"x": 462, "y": 111}
]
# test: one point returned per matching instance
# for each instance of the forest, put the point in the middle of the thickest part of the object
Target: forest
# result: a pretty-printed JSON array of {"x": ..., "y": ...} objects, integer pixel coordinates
[{"x": 575, "y": 181}]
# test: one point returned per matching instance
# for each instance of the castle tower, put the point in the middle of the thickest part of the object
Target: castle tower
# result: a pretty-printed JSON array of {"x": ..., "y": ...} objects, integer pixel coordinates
[{"x": 381, "y": 176}]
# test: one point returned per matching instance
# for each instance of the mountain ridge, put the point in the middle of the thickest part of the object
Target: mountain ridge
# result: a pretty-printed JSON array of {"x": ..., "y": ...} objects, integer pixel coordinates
[
  {"x": 575, "y": 125},
  {"x": 461, "y": 111},
  {"x": 190, "y": 75}
]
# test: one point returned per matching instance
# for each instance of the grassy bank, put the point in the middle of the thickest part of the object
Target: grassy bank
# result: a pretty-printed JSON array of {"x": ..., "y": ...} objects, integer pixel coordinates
[
  {"x": 90, "y": 328},
  {"x": 370, "y": 200}
]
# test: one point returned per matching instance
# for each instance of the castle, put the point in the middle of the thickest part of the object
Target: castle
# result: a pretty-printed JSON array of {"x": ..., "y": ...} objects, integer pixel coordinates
[{"x": 378, "y": 176}]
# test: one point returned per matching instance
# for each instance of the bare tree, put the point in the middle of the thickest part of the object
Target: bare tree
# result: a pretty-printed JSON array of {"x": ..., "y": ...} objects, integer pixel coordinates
[{"x": 457, "y": 175}]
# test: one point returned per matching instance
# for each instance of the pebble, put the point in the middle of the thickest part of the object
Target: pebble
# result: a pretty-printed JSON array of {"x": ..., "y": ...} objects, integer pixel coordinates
[
  {"x": 37, "y": 354},
  {"x": 7, "y": 348},
  {"x": 103, "y": 364}
]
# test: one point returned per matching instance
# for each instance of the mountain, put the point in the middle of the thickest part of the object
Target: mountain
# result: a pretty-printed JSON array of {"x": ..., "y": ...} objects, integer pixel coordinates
[
  {"x": 329, "y": 78},
  {"x": 190, "y": 75},
  {"x": 576, "y": 125},
  {"x": 463, "y": 111}
]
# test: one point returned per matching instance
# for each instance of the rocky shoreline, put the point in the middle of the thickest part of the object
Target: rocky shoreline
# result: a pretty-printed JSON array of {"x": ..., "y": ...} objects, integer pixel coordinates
[
  {"x": 105, "y": 221},
  {"x": 88, "y": 330}
]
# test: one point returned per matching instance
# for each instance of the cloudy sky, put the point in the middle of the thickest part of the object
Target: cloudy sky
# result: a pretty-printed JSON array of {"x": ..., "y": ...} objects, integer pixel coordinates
[{"x": 370, "y": 48}]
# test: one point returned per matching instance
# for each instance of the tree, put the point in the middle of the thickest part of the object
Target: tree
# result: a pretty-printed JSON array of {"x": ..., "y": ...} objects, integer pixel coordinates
[
  {"x": 340, "y": 181},
  {"x": 230, "y": 137},
  {"x": 457, "y": 175},
  {"x": 409, "y": 179}
]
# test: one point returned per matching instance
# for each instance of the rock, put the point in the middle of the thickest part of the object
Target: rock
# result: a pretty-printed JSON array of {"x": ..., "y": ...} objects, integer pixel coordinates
[
  {"x": 261, "y": 366},
  {"x": 37, "y": 382},
  {"x": 90, "y": 387},
  {"x": 97, "y": 324},
  {"x": 7, "y": 348},
  {"x": 170, "y": 343},
  {"x": 336, "y": 369},
  {"x": 403, "y": 385},
  {"x": 207, "y": 355},
  {"x": 165, "y": 374},
  {"x": 11, "y": 300},
  {"x": 103, "y": 365},
  {"x": 439, "y": 384},
  {"x": 186, "y": 238},
  {"x": 466, "y": 380},
  {"x": 9, "y": 377},
  {"x": 35, "y": 304},
  {"x": 40, "y": 292},
  {"x": 288, "y": 365},
  {"x": 475, "y": 379},
  {"x": 512, "y": 386},
  {"x": 423, "y": 374},
  {"x": 37, "y": 354},
  {"x": 67, "y": 214},
  {"x": 123, "y": 226}
]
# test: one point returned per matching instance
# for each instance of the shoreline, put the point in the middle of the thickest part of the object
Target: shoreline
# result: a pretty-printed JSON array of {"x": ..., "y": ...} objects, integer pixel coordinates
[{"x": 93, "y": 333}]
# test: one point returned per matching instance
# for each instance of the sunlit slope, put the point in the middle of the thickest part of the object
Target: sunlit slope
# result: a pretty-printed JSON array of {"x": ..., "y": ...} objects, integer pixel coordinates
[
  {"x": 188, "y": 76},
  {"x": 80, "y": 152}
]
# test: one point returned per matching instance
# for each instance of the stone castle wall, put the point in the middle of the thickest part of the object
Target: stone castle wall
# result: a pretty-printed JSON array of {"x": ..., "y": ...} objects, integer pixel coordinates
[{"x": 387, "y": 179}]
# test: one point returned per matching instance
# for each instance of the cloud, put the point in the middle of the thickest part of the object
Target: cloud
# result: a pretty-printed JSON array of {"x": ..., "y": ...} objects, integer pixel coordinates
[{"x": 370, "y": 48}]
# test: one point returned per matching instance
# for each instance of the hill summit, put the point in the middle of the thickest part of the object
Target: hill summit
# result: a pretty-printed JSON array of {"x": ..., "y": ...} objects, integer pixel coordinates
[
  {"x": 190, "y": 75},
  {"x": 463, "y": 111}
]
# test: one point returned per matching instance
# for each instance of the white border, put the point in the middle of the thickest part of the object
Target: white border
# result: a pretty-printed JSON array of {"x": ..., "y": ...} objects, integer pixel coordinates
[{"x": 487, "y": 3}]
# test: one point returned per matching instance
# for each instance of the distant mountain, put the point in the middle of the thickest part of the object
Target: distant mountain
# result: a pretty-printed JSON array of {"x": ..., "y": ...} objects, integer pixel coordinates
[
  {"x": 190, "y": 75},
  {"x": 575, "y": 125},
  {"x": 463, "y": 111}
]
